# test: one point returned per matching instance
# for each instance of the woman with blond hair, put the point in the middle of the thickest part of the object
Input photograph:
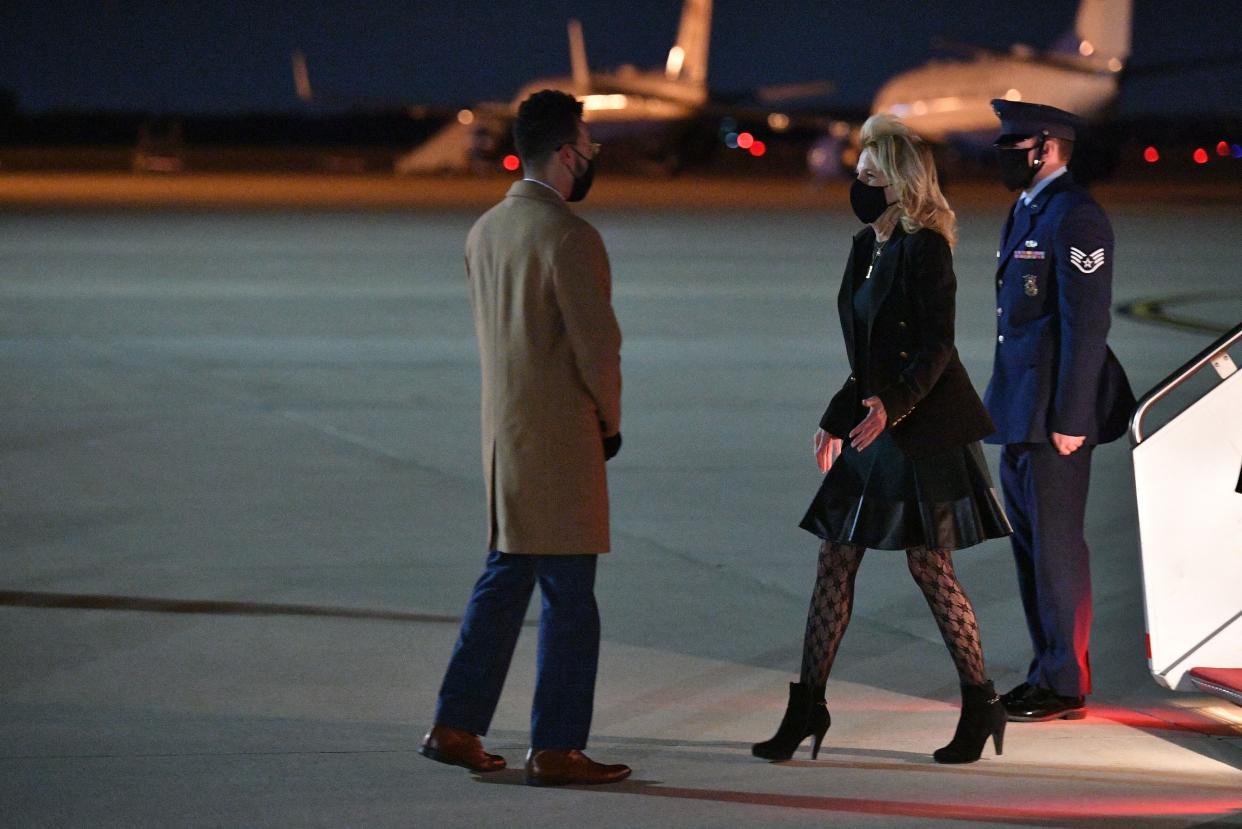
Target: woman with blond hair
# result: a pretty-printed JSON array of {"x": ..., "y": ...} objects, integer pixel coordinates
[{"x": 912, "y": 476}]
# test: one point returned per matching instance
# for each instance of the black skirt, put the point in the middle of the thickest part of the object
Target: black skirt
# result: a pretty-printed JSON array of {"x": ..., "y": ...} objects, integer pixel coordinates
[{"x": 882, "y": 499}]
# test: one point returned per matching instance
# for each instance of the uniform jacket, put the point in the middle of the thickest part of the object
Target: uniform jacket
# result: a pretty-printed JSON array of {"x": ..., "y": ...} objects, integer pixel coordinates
[
  {"x": 550, "y": 351},
  {"x": 1053, "y": 371},
  {"x": 914, "y": 366}
]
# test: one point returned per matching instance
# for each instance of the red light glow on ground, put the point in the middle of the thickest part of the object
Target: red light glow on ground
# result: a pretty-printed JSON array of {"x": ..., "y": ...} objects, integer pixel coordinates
[{"x": 1042, "y": 811}]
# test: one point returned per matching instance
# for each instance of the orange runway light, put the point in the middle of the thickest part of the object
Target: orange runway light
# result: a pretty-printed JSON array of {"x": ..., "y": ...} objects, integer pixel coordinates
[{"x": 511, "y": 163}]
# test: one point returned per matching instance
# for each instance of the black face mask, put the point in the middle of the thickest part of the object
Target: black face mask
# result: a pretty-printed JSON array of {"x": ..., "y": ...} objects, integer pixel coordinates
[
  {"x": 583, "y": 180},
  {"x": 868, "y": 201},
  {"x": 1016, "y": 170}
]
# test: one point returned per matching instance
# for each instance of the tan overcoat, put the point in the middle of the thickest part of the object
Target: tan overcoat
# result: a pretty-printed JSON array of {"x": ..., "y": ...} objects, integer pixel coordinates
[{"x": 550, "y": 350}]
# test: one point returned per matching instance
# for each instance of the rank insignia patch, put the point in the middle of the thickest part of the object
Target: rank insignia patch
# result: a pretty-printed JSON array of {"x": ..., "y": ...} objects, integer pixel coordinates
[
  {"x": 1031, "y": 243},
  {"x": 1087, "y": 262},
  {"x": 1029, "y": 254},
  {"x": 1030, "y": 284}
]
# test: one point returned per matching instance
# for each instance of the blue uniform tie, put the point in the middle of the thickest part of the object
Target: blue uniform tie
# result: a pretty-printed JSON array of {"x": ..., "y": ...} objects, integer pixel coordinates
[{"x": 1020, "y": 212}]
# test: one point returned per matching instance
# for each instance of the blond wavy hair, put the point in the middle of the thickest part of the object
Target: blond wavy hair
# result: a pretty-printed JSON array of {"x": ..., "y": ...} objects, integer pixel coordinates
[{"x": 907, "y": 161}]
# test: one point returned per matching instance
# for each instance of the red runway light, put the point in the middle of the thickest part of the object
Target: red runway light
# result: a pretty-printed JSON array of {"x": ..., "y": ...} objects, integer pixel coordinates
[
  {"x": 745, "y": 140},
  {"x": 1151, "y": 155},
  {"x": 1222, "y": 149},
  {"x": 758, "y": 148},
  {"x": 1201, "y": 156},
  {"x": 511, "y": 162}
]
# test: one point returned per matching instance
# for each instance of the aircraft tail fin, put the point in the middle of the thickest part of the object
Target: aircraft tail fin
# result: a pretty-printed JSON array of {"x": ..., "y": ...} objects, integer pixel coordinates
[
  {"x": 301, "y": 77},
  {"x": 578, "y": 58},
  {"x": 687, "y": 60},
  {"x": 1102, "y": 29}
]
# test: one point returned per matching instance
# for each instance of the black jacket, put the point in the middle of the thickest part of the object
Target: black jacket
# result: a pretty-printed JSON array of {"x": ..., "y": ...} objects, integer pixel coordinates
[{"x": 913, "y": 364}]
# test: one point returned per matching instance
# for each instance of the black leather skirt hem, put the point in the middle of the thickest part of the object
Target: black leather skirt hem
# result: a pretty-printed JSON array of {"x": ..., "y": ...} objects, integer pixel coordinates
[{"x": 884, "y": 500}]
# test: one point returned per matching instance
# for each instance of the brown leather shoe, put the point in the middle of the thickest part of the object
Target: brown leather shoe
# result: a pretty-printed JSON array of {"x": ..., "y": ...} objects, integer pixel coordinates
[
  {"x": 569, "y": 767},
  {"x": 459, "y": 748}
]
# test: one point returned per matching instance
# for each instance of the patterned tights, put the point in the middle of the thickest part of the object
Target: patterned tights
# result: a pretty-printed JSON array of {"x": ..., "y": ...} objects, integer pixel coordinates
[{"x": 832, "y": 601}]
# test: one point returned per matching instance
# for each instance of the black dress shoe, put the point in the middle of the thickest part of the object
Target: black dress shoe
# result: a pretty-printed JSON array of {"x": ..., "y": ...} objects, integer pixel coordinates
[
  {"x": 1016, "y": 694},
  {"x": 1041, "y": 705}
]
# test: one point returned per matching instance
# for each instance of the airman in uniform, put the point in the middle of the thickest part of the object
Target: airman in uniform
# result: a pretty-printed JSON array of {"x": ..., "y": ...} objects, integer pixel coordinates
[{"x": 1056, "y": 392}]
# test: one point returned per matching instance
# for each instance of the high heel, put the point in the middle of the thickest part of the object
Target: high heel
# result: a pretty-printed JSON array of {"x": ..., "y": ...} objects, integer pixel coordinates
[
  {"x": 982, "y": 716},
  {"x": 806, "y": 715}
]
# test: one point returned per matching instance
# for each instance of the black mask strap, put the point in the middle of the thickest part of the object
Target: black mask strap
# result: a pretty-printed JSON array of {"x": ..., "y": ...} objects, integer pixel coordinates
[{"x": 1040, "y": 140}]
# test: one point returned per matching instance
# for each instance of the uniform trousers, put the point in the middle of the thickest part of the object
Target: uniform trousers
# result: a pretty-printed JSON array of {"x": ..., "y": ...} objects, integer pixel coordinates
[
  {"x": 1046, "y": 498},
  {"x": 567, "y": 656}
]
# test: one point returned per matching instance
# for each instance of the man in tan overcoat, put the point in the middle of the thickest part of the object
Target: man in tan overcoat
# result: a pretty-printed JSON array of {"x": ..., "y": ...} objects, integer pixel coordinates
[{"x": 550, "y": 348}]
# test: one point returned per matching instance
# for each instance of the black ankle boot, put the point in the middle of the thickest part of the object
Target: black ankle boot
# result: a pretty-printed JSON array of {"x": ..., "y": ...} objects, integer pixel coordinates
[
  {"x": 982, "y": 716},
  {"x": 806, "y": 715}
]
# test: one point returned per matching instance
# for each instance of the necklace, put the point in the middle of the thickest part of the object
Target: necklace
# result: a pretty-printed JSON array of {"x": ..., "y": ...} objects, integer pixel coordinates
[{"x": 875, "y": 255}]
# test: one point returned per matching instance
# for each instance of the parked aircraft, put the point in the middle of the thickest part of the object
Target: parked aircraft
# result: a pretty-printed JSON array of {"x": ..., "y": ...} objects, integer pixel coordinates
[
  {"x": 653, "y": 109},
  {"x": 949, "y": 101},
  {"x": 662, "y": 118},
  {"x": 945, "y": 99}
]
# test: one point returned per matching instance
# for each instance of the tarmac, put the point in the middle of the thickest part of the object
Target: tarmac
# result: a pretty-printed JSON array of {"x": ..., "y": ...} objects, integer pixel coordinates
[{"x": 241, "y": 511}]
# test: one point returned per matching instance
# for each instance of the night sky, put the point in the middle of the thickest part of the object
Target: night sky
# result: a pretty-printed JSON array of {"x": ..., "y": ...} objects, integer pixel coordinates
[{"x": 176, "y": 56}]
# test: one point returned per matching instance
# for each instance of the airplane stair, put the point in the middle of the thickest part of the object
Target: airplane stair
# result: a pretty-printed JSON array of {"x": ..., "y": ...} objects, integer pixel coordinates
[
  {"x": 1223, "y": 682},
  {"x": 447, "y": 151},
  {"x": 1189, "y": 490}
]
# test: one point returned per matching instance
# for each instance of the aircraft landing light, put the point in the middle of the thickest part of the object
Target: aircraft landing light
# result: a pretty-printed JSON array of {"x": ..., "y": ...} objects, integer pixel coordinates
[
  {"x": 1151, "y": 155},
  {"x": 511, "y": 163},
  {"x": 1201, "y": 156},
  {"x": 676, "y": 59},
  {"x": 592, "y": 103}
]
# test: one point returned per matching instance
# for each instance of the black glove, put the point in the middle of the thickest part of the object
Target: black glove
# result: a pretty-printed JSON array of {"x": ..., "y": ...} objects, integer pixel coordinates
[{"x": 612, "y": 446}]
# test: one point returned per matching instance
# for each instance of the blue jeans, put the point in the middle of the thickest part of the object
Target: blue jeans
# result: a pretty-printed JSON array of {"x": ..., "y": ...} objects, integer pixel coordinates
[{"x": 568, "y": 653}]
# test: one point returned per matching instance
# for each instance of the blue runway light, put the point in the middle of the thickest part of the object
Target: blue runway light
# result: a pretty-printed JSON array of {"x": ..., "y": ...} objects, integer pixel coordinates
[
  {"x": 1237, "y": 150},
  {"x": 731, "y": 141}
]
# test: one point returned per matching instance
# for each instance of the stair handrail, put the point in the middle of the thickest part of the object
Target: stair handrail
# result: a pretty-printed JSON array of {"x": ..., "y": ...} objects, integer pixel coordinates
[{"x": 1164, "y": 387}]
